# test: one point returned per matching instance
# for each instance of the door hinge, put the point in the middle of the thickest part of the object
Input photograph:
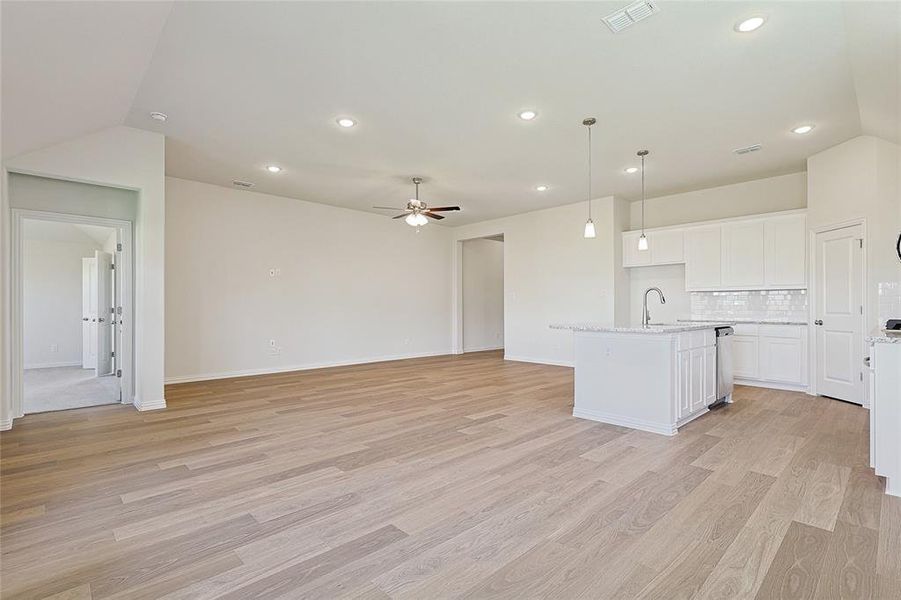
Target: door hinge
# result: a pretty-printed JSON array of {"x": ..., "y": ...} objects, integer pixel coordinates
[
  {"x": 112, "y": 266},
  {"x": 860, "y": 243},
  {"x": 861, "y": 375},
  {"x": 861, "y": 309},
  {"x": 118, "y": 372},
  {"x": 118, "y": 310},
  {"x": 112, "y": 310},
  {"x": 113, "y": 354},
  {"x": 118, "y": 247}
]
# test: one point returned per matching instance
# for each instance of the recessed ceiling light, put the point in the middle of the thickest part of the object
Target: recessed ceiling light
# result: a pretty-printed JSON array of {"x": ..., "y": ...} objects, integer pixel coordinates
[
  {"x": 631, "y": 170},
  {"x": 750, "y": 24},
  {"x": 528, "y": 115},
  {"x": 540, "y": 188},
  {"x": 803, "y": 129},
  {"x": 158, "y": 116},
  {"x": 274, "y": 169},
  {"x": 345, "y": 122}
]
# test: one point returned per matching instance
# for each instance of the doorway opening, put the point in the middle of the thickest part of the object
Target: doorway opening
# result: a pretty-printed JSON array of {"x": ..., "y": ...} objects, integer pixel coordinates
[
  {"x": 483, "y": 294},
  {"x": 72, "y": 293}
]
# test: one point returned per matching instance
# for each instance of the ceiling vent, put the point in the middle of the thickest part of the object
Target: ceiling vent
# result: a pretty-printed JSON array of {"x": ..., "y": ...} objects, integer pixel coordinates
[
  {"x": 748, "y": 149},
  {"x": 242, "y": 184},
  {"x": 626, "y": 17}
]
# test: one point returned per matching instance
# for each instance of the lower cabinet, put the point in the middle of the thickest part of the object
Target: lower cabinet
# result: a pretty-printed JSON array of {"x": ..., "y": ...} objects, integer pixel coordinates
[
  {"x": 768, "y": 353},
  {"x": 696, "y": 372}
]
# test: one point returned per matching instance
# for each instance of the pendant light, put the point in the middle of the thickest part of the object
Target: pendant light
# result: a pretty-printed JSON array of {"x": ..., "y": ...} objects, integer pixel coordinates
[
  {"x": 643, "y": 239},
  {"x": 589, "y": 225}
]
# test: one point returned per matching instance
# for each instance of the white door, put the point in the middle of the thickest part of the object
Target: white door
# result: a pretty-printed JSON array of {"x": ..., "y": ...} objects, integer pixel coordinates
[
  {"x": 104, "y": 261},
  {"x": 89, "y": 312},
  {"x": 838, "y": 320}
]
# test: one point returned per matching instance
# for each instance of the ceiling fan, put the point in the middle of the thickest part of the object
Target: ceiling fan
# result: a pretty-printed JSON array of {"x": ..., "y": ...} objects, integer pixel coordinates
[{"x": 417, "y": 210}]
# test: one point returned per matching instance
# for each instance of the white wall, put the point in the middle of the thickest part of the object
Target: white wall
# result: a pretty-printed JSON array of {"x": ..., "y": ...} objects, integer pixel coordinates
[
  {"x": 132, "y": 159},
  {"x": 483, "y": 295},
  {"x": 772, "y": 194},
  {"x": 52, "y": 308},
  {"x": 551, "y": 274},
  {"x": 859, "y": 179},
  {"x": 353, "y": 287},
  {"x": 670, "y": 279}
]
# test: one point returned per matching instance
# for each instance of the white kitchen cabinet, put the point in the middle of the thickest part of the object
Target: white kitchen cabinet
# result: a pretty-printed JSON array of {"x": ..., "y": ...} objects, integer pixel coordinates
[
  {"x": 703, "y": 258},
  {"x": 885, "y": 413},
  {"x": 780, "y": 360},
  {"x": 696, "y": 374},
  {"x": 743, "y": 255},
  {"x": 785, "y": 251},
  {"x": 632, "y": 256},
  {"x": 745, "y": 356},
  {"x": 664, "y": 248}
]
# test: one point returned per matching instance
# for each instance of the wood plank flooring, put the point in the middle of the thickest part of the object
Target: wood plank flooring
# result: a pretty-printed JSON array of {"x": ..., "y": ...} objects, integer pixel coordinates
[{"x": 447, "y": 477}]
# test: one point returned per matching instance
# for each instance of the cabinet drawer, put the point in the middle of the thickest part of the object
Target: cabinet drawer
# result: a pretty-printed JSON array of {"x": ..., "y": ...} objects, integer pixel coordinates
[
  {"x": 745, "y": 329},
  {"x": 781, "y": 331},
  {"x": 690, "y": 340}
]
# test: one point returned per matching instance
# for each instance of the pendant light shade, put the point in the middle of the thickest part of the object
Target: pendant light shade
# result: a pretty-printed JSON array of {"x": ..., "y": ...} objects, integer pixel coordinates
[
  {"x": 642, "y": 239},
  {"x": 589, "y": 225}
]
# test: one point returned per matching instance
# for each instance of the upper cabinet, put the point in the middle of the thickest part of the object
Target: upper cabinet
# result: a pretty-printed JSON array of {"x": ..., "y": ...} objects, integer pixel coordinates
[
  {"x": 665, "y": 247},
  {"x": 761, "y": 252},
  {"x": 703, "y": 257},
  {"x": 743, "y": 255},
  {"x": 785, "y": 251}
]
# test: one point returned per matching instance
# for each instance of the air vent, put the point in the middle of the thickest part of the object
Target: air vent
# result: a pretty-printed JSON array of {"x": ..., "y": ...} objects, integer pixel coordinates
[
  {"x": 242, "y": 184},
  {"x": 626, "y": 17},
  {"x": 748, "y": 149}
]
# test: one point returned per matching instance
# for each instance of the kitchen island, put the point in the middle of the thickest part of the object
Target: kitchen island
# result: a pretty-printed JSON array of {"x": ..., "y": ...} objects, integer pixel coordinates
[{"x": 654, "y": 378}]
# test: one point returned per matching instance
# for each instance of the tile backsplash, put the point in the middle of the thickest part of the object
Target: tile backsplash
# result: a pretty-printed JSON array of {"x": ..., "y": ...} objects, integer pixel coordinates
[
  {"x": 889, "y": 301},
  {"x": 778, "y": 305}
]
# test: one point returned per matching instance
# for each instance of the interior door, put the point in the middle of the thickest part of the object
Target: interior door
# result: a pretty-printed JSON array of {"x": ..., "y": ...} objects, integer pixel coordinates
[
  {"x": 89, "y": 316},
  {"x": 87, "y": 362},
  {"x": 104, "y": 331},
  {"x": 838, "y": 320}
]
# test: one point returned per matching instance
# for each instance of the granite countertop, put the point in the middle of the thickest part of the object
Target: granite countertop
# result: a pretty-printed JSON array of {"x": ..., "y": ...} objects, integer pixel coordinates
[
  {"x": 880, "y": 336},
  {"x": 746, "y": 321},
  {"x": 652, "y": 329}
]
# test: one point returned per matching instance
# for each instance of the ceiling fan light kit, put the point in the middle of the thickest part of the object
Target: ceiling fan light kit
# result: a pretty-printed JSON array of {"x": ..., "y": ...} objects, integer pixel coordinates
[{"x": 417, "y": 213}]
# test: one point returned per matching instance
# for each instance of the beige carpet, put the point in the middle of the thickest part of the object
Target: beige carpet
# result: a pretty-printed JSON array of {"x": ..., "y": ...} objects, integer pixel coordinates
[{"x": 62, "y": 388}]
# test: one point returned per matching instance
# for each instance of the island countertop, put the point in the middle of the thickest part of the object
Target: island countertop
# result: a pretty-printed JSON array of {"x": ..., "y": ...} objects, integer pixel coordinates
[{"x": 656, "y": 329}]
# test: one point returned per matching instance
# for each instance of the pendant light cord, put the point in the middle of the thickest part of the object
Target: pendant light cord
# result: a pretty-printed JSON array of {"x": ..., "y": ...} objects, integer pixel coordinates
[
  {"x": 589, "y": 172},
  {"x": 642, "y": 194}
]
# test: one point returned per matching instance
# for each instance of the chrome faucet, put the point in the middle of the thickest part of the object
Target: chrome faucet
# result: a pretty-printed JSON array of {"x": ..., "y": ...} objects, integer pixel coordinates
[{"x": 645, "y": 315}]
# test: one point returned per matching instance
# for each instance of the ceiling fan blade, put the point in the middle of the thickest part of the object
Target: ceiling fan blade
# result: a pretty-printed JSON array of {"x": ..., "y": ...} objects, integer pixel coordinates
[
  {"x": 444, "y": 208},
  {"x": 429, "y": 214},
  {"x": 388, "y": 208},
  {"x": 400, "y": 216}
]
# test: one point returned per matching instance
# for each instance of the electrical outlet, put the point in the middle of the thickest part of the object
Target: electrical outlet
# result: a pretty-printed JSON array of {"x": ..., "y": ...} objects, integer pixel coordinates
[
  {"x": 275, "y": 272},
  {"x": 274, "y": 348},
  {"x": 54, "y": 348}
]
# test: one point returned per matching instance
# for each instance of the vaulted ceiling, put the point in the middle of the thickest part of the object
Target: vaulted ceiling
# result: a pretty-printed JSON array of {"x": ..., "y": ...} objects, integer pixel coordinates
[{"x": 435, "y": 88}]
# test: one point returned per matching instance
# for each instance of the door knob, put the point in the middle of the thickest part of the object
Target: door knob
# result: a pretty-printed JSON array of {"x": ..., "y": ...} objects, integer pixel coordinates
[
  {"x": 818, "y": 322},
  {"x": 100, "y": 320},
  {"x": 85, "y": 319}
]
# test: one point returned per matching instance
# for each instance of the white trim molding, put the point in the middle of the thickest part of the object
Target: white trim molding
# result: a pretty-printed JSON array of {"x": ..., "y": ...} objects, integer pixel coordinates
[
  {"x": 539, "y": 361},
  {"x": 54, "y": 365},
  {"x": 153, "y": 405},
  {"x": 611, "y": 419}
]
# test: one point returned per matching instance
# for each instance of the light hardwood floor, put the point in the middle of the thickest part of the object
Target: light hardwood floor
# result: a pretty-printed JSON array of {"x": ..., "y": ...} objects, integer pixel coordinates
[{"x": 441, "y": 478}]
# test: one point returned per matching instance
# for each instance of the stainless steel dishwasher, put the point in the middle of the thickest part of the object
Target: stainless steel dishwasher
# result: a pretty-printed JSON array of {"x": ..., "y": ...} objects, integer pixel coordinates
[{"x": 724, "y": 383}]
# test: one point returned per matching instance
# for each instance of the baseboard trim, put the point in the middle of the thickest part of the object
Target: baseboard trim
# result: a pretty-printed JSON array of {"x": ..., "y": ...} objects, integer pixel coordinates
[
  {"x": 539, "y": 361},
  {"x": 291, "y": 368},
  {"x": 603, "y": 417},
  {"x": 788, "y": 387},
  {"x": 482, "y": 349},
  {"x": 53, "y": 365},
  {"x": 152, "y": 405},
  {"x": 6, "y": 424}
]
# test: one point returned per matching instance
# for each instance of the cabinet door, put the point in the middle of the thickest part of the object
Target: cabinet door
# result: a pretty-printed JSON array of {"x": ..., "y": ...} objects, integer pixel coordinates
[
  {"x": 703, "y": 260},
  {"x": 666, "y": 247},
  {"x": 697, "y": 379},
  {"x": 632, "y": 256},
  {"x": 709, "y": 375},
  {"x": 785, "y": 251},
  {"x": 743, "y": 254},
  {"x": 683, "y": 400},
  {"x": 745, "y": 356},
  {"x": 781, "y": 360}
]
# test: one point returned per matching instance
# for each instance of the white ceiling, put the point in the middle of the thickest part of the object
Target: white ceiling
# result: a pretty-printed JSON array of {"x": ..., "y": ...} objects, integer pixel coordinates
[{"x": 436, "y": 87}]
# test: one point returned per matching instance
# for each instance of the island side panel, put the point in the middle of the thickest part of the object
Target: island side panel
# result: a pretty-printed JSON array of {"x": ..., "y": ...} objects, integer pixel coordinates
[{"x": 626, "y": 379}]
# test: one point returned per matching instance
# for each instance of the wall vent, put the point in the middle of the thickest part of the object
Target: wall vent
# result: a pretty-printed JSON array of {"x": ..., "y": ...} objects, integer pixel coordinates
[
  {"x": 748, "y": 149},
  {"x": 626, "y": 17},
  {"x": 242, "y": 184}
]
